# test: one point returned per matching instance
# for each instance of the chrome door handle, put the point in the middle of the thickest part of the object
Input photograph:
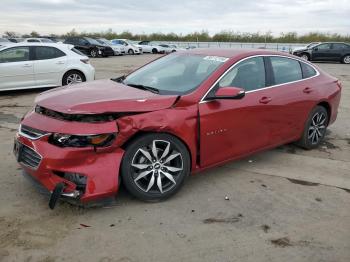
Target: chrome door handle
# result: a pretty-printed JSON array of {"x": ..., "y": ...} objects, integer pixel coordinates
[
  {"x": 27, "y": 65},
  {"x": 60, "y": 62}
]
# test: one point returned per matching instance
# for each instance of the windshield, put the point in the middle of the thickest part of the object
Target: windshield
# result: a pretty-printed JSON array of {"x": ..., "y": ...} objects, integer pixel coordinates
[
  {"x": 176, "y": 73},
  {"x": 92, "y": 41},
  {"x": 311, "y": 45}
]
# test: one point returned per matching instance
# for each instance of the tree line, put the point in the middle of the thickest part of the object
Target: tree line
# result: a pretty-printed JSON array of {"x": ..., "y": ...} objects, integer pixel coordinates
[{"x": 203, "y": 36}]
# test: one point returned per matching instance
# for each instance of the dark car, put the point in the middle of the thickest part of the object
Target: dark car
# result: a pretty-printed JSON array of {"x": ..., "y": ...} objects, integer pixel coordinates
[
  {"x": 90, "y": 46},
  {"x": 326, "y": 52}
]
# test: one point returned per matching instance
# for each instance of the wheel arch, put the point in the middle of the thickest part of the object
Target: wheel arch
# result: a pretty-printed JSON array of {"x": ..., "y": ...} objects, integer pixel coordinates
[
  {"x": 141, "y": 133},
  {"x": 327, "y": 106},
  {"x": 342, "y": 58}
]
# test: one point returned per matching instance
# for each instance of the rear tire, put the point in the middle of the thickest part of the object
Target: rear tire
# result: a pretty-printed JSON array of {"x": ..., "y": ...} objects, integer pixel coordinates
[
  {"x": 346, "y": 59},
  {"x": 155, "y": 166},
  {"x": 73, "y": 77},
  {"x": 315, "y": 128}
]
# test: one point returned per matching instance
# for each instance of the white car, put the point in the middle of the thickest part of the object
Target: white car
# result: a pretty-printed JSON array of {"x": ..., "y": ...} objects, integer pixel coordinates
[
  {"x": 130, "y": 48},
  {"x": 117, "y": 48},
  {"x": 38, "y": 40},
  {"x": 171, "y": 48},
  {"x": 34, "y": 65},
  {"x": 152, "y": 47}
]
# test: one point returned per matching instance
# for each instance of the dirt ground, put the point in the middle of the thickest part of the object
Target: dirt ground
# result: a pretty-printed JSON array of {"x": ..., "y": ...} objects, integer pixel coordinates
[{"x": 285, "y": 204}]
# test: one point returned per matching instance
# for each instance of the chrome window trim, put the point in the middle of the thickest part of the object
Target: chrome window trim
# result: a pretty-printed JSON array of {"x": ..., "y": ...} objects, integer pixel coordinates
[{"x": 264, "y": 88}]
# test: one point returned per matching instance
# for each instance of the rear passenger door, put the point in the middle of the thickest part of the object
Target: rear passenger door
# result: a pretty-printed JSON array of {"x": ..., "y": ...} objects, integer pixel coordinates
[
  {"x": 290, "y": 98},
  {"x": 49, "y": 65}
]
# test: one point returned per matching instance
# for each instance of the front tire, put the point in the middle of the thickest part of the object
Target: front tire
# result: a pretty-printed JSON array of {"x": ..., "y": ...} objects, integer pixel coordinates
[
  {"x": 94, "y": 52},
  {"x": 131, "y": 52},
  {"x": 305, "y": 56},
  {"x": 315, "y": 128},
  {"x": 155, "y": 166},
  {"x": 154, "y": 51},
  {"x": 346, "y": 59}
]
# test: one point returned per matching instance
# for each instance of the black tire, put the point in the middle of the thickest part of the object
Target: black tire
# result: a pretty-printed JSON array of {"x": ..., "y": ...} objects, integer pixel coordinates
[
  {"x": 346, "y": 59},
  {"x": 138, "y": 171},
  {"x": 71, "y": 75},
  {"x": 305, "y": 56},
  {"x": 94, "y": 52},
  {"x": 308, "y": 140},
  {"x": 154, "y": 51},
  {"x": 130, "y": 52}
]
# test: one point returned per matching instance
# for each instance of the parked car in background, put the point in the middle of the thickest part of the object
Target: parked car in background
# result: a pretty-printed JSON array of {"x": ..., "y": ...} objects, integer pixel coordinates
[
  {"x": 34, "y": 65},
  {"x": 16, "y": 39},
  {"x": 89, "y": 46},
  {"x": 170, "y": 48},
  {"x": 331, "y": 51},
  {"x": 152, "y": 47},
  {"x": 4, "y": 41},
  {"x": 180, "y": 114},
  {"x": 305, "y": 47},
  {"x": 130, "y": 48},
  {"x": 118, "y": 49},
  {"x": 38, "y": 40}
]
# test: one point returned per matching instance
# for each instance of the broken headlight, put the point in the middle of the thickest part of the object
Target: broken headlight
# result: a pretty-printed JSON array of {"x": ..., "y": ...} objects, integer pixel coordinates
[{"x": 65, "y": 140}]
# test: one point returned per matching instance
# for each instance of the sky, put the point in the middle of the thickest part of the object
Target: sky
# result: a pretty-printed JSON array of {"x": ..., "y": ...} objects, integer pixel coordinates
[{"x": 178, "y": 16}]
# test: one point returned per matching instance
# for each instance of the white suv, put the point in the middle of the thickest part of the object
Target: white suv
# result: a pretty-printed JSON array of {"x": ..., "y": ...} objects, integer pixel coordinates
[{"x": 35, "y": 65}]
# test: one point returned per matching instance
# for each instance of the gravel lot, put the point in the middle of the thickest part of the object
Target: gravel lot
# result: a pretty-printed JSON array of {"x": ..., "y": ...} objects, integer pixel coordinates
[{"x": 285, "y": 204}]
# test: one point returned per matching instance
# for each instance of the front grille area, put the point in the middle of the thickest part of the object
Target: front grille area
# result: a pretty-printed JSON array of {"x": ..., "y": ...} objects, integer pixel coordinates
[
  {"x": 31, "y": 133},
  {"x": 28, "y": 156}
]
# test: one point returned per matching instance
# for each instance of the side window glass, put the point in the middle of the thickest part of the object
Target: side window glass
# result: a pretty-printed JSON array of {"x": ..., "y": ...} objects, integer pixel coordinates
[
  {"x": 82, "y": 41},
  {"x": 339, "y": 46},
  {"x": 285, "y": 70},
  {"x": 248, "y": 74},
  {"x": 45, "y": 52},
  {"x": 324, "y": 47},
  {"x": 16, "y": 54},
  {"x": 308, "y": 71}
]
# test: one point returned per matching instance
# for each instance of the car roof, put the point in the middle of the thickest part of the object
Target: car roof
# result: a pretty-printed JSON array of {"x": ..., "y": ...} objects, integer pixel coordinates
[
  {"x": 58, "y": 45},
  {"x": 231, "y": 53}
]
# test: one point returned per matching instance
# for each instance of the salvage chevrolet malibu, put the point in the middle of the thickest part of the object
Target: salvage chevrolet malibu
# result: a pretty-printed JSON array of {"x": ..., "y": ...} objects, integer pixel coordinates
[{"x": 178, "y": 115}]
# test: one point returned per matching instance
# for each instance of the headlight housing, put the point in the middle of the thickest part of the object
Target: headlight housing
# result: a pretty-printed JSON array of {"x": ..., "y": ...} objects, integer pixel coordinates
[{"x": 66, "y": 140}]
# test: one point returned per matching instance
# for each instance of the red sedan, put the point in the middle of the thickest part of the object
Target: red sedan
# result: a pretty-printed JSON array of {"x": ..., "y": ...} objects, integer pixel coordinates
[{"x": 180, "y": 114}]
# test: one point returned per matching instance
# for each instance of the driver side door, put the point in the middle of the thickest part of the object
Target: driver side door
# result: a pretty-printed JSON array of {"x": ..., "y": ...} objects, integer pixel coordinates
[
  {"x": 321, "y": 52},
  {"x": 231, "y": 128}
]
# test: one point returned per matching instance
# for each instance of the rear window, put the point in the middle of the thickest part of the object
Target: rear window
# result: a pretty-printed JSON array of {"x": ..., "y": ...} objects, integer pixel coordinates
[
  {"x": 308, "y": 71},
  {"x": 77, "y": 51},
  {"x": 46, "y": 52},
  {"x": 285, "y": 70}
]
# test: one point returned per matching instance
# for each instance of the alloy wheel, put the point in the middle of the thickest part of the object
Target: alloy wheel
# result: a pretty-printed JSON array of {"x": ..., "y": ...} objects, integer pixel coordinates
[
  {"x": 74, "y": 79},
  {"x": 156, "y": 168},
  {"x": 317, "y": 128},
  {"x": 346, "y": 59},
  {"x": 305, "y": 57},
  {"x": 93, "y": 53}
]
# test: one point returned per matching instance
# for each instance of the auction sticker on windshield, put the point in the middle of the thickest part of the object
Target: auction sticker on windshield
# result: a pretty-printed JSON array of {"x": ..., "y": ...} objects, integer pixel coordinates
[{"x": 216, "y": 58}]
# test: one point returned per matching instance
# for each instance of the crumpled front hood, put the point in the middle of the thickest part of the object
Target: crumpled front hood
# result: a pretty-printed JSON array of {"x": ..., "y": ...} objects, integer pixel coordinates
[{"x": 102, "y": 96}]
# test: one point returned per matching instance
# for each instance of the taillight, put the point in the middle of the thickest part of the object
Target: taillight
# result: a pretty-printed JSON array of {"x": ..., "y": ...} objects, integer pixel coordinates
[{"x": 85, "y": 61}]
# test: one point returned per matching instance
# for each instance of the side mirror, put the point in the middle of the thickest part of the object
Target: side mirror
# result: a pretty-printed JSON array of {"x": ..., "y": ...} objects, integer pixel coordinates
[
  {"x": 316, "y": 49},
  {"x": 228, "y": 93}
]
